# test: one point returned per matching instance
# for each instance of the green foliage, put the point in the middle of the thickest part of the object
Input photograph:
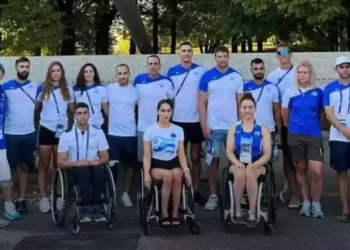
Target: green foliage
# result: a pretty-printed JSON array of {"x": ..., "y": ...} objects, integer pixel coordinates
[{"x": 29, "y": 26}]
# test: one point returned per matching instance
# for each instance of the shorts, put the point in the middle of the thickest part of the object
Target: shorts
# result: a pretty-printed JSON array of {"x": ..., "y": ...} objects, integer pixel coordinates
[
  {"x": 123, "y": 149},
  {"x": 287, "y": 155},
  {"x": 47, "y": 137},
  {"x": 218, "y": 137},
  {"x": 20, "y": 149},
  {"x": 339, "y": 153},
  {"x": 168, "y": 165},
  {"x": 192, "y": 132},
  {"x": 140, "y": 146},
  {"x": 304, "y": 148},
  {"x": 5, "y": 173}
]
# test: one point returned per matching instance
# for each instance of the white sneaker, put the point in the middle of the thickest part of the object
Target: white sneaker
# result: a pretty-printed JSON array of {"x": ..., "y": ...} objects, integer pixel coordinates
[
  {"x": 125, "y": 200},
  {"x": 44, "y": 205},
  {"x": 212, "y": 202}
]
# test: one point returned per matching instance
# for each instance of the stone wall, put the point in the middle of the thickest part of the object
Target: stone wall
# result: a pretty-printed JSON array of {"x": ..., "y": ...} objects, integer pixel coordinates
[{"x": 323, "y": 63}]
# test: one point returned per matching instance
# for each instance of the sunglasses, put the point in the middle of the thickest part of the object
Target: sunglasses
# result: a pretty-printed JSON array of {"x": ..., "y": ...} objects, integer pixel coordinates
[{"x": 283, "y": 52}]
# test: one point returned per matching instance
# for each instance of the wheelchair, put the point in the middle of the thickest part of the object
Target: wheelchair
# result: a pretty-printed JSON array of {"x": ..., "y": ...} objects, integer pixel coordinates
[
  {"x": 266, "y": 209},
  {"x": 149, "y": 206},
  {"x": 65, "y": 197}
]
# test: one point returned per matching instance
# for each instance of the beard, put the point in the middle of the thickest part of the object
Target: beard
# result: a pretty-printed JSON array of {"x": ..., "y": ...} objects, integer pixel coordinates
[
  {"x": 259, "y": 76},
  {"x": 23, "y": 75}
]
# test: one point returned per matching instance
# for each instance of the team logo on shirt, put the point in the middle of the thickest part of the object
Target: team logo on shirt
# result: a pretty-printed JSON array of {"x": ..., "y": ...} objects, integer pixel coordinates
[
  {"x": 314, "y": 93},
  {"x": 256, "y": 133},
  {"x": 96, "y": 91},
  {"x": 173, "y": 135},
  {"x": 164, "y": 145}
]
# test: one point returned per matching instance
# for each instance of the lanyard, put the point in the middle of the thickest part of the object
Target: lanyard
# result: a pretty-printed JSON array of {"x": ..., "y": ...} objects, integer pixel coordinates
[
  {"x": 281, "y": 79},
  {"x": 261, "y": 91},
  {"x": 25, "y": 92},
  {"x": 88, "y": 96},
  {"x": 87, "y": 143},
  {"x": 302, "y": 94},
  {"x": 341, "y": 101},
  {"x": 55, "y": 99}
]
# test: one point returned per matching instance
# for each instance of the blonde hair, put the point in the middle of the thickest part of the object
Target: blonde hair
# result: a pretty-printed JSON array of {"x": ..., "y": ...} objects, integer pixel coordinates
[
  {"x": 312, "y": 81},
  {"x": 48, "y": 87}
]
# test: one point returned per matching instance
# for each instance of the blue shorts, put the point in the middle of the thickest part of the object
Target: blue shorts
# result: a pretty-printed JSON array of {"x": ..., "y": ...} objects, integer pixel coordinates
[
  {"x": 339, "y": 153},
  {"x": 218, "y": 138},
  {"x": 20, "y": 149},
  {"x": 123, "y": 149}
]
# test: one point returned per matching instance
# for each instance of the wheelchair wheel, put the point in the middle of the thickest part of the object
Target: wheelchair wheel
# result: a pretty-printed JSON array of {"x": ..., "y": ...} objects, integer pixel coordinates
[
  {"x": 111, "y": 199},
  {"x": 224, "y": 197},
  {"x": 59, "y": 194},
  {"x": 195, "y": 228},
  {"x": 74, "y": 228},
  {"x": 271, "y": 197},
  {"x": 140, "y": 197}
]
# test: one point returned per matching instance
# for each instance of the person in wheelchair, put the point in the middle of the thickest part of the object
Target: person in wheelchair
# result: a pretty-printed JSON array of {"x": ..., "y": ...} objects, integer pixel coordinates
[
  {"x": 83, "y": 153},
  {"x": 164, "y": 159},
  {"x": 248, "y": 150}
]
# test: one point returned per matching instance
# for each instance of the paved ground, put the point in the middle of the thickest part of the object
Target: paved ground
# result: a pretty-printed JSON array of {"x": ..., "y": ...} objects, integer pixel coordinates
[{"x": 292, "y": 231}]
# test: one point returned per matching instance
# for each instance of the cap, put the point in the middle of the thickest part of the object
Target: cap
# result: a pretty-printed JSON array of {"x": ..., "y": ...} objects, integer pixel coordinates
[
  {"x": 342, "y": 60},
  {"x": 2, "y": 68}
]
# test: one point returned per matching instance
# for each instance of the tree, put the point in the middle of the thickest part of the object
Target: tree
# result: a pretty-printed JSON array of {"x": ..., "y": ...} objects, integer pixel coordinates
[
  {"x": 131, "y": 16},
  {"x": 36, "y": 27}
]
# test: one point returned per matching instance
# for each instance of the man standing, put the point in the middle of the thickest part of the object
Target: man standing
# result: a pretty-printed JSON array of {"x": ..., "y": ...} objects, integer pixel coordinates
[
  {"x": 220, "y": 91},
  {"x": 5, "y": 173},
  {"x": 122, "y": 98},
  {"x": 19, "y": 128},
  {"x": 266, "y": 95},
  {"x": 284, "y": 77},
  {"x": 83, "y": 152},
  {"x": 151, "y": 87},
  {"x": 337, "y": 107},
  {"x": 186, "y": 77}
]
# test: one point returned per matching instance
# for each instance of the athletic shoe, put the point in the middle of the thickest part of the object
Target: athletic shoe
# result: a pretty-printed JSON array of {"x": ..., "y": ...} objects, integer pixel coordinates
[
  {"x": 212, "y": 202},
  {"x": 305, "y": 209},
  {"x": 316, "y": 210},
  {"x": 44, "y": 205},
  {"x": 10, "y": 211},
  {"x": 125, "y": 200}
]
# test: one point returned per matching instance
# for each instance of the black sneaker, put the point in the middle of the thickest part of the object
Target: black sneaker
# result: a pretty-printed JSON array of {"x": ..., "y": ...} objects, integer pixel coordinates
[
  {"x": 21, "y": 207},
  {"x": 198, "y": 199}
]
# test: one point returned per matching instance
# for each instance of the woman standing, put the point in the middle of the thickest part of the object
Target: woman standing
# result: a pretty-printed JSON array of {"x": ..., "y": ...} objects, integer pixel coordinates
[
  {"x": 89, "y": 90},
  {"x": 302, "y": 107},
  {"x": 54, "y": 97},
  {"x": 248, "y": 150}
]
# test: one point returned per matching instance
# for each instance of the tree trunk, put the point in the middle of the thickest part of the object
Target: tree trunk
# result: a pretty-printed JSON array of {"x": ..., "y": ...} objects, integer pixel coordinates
[
  {"x": 234, "y": 45},
  {"x": 260, "y": 45},
  {"x": 173, "y": 28},
  {"x": 200, "y": 44},
  {"x": 250, "y": 46},
  {"x": 131, "y": 16},
  {"x": 69, "y": 37},
  {"x": 105, "y": 15},
  {"x": 37, "y": 52},
  {"x": 243, "y": 47},
  {"x": 132, "y": 49},
  {"x": 155, "y": 31},
  {"x": 333, "y": 36}
]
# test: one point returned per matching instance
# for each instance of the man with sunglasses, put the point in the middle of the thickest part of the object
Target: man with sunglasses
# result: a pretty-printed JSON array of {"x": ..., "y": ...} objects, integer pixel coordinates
[
  {"x": 284, "y": 77},
  {"x": 266, "y": 95},
  {"x": 336, "y": 101}
]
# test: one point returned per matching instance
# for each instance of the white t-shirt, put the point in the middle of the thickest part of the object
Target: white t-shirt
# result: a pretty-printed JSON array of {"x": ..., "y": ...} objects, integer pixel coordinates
[
  {"x": 98, "y": 95},
  {"x": 94, "y": 139},
  {"x": 53, "y": 114},
  {"x": 186, "y": 102},
  {"x": 122, "y": 103},
  {"x": 151, "y": 91},
  {"x": 287, "y": 81},
  {"x": 21, "y": 106},
  {"x": 165, "y": 141},
  {"x": 222, "y": 89},
  {"x": 265, "y": 95},
  {"x": 337, "y": 96}
]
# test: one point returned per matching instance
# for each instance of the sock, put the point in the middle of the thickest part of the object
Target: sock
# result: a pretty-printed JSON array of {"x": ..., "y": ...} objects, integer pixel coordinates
[
  {"x": 8, "y": 205},
  {"x": 316, "y": 203},
  {"x": 306, "y": 203}
]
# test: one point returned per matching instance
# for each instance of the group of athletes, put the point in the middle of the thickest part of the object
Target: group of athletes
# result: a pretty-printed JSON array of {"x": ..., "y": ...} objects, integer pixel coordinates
[{"x": 152, "y": 121}]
